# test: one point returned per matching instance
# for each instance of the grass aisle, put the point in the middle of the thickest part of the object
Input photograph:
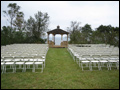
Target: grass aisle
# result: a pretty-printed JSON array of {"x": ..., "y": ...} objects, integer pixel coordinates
[{"x": 61, "y": 72}]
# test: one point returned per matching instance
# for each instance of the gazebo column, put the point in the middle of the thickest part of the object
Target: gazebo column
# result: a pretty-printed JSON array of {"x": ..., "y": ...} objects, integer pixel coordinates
[
  {"x": 53, "y": 38},
  {"x": 48, "y": 39},
  {"x": 61, "y": 37},
  {"x": 67, "y": 40}
]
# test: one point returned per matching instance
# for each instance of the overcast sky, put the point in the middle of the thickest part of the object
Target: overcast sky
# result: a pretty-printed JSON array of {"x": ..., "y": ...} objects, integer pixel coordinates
[{"x": 62, "y": 13}]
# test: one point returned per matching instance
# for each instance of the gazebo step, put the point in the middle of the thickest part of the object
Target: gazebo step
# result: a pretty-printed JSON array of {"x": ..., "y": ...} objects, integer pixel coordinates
[{"x": 58, "y": 46}]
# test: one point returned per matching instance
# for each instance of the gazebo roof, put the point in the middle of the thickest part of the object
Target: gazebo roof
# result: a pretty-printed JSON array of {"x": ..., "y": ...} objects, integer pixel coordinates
[{"x": 57, "y": 31}]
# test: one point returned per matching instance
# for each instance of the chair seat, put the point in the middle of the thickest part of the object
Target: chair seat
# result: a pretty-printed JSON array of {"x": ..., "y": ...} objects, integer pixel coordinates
[
  {"x": 29, "y": 63},
  {"x": 43, "y": 57},
  {"x": 38, "y": 62},
  {"x": 82, "y": 58},
  {"x": 9, "y": 63},
  {"x": 16, "y": 59},
  {"x": 35, "y": 59},
  {"x": 41, "y": 60},
  {"x": 94, "y": 61},
  {"x": 19, "y": 63},
  {"x": 76, "y": 55},
  {"x": 85, "y": 61},
  {"x": 8, "y": 60},
  {"x": 1, "y": 59},
  {"x": 113, "y": 61},
  {"x": 114, "y": 58},
  {"x": 90, "y": 58},
  {"x": 2, "y": 63},
  {"x": 103, "y": 61},
  {"x": 105, "y": 58},
  {"x": 26, "y": 59},
  {"x": 32, "y": 60},
  {"x": 97, "y": 58}
]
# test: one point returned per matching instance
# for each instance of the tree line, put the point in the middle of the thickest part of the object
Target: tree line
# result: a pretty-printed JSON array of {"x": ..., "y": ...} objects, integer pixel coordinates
[
  {"x": 33, "y": 29},
  {"x": 21, "y": 30},
  {"x": 85, "y": 35}
]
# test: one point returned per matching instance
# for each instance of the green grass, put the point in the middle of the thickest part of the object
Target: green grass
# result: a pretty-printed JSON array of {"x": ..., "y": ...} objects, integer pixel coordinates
[{"x": 61, "y": 72}]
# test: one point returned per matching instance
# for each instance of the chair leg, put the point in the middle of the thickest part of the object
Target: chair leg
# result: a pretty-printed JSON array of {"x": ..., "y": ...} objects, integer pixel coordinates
[
  {"x": 99, "y": 66},
  {"x": 10, "y": 67},
  {"x": 79, "y": 63},
  {"x": 90, "y": 66},
  {"x": 117, "y": 65},
  {"x": 44, "y": 64},
  {"x": 2, "y": 68},
  {"x": 82, "y": 66},
  {"x": 42, "y": 68},
  {"x": 24, "y": 68},
  {"x": 33, "y": 70}
]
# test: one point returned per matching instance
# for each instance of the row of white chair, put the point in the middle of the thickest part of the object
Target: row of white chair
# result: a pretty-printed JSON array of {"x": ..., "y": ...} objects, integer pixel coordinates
[
  {"x": 92, "y": 45},
  {"x": 94, "y": 59},
  {"x": 23, "y": 64},
  {"x": 99, "y": 61},
  {"x": 25, "y": 59},
  {"x": 24, "y": 50}
]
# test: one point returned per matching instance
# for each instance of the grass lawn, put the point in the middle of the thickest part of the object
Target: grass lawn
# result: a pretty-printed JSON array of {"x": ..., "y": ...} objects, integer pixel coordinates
[{"x": 61, "y": 72}]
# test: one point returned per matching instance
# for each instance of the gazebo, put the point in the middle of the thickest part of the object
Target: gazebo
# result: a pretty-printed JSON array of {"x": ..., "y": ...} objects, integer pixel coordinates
[{"x": 54, "y": 32}]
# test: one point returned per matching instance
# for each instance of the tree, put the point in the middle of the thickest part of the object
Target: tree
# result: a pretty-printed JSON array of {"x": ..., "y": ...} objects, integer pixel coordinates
[
  {"x": 80, "y": 34},
  {"x": 74, "y": 31},
  {"x": 85, "y": 35},
  {"x": 11, "y": 13},
  {"x": 108, "y": 35},
  {"x": 42, "y": 21},
  {"x": 16, "y": 20},
  {"x": 30, "y": 26},
  {"x": 37, "y": 26},
  {"x": 21, "y": 31},
  {"x": 5, "y": 35},
  {"x": 19, "y": 21},
  {"x": 87, "y": 29},
  {"x": 87, "y": 32}
]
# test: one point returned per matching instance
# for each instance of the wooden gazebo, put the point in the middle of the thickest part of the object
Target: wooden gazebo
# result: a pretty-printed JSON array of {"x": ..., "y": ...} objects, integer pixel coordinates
[{"x": 54, "y": 32}]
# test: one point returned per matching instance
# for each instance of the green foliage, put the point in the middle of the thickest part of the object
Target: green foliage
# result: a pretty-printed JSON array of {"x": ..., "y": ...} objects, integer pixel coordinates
[
  {"x": 108, "y": 34},
  {"x": 74, "y": 31},
  {"x": 38, "y": 25},
  {"x": 34, "y": 40},
  {"x": 17, "y": 37},
  {"x": 21, "y": 31},
  {"x": 11, "y": 13},
  {"x": 19, "y": 21},
  {"x": 5, "y": 35},
  {"x": 85, "y": 35}
]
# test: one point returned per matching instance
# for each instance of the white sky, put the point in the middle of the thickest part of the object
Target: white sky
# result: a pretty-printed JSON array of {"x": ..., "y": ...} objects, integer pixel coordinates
[{"x": 62, "y": 13}]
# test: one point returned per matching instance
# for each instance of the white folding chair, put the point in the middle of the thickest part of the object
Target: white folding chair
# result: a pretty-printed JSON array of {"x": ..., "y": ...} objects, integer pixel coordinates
[
  {"x": 85, "y": 63},
  {"x": 104, "y": 61},
  {"x": 9, "y": 65},
  {"x": 19, "y": 63},
  {"x": 28, "y": 64},
  {"x": 95, "y": 62},
  {"x": 114, "y": 61},
  {"x": 8, "y": 59},
  {"x": 76, "y": 57},
  {"x": 38, "y": 65},
  {"x": 40, "y": 59}
]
